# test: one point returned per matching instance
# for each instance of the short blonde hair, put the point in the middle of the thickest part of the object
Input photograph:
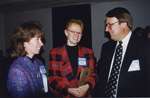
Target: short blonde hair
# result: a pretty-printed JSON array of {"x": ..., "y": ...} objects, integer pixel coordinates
[{"x": 76, "y": 21}]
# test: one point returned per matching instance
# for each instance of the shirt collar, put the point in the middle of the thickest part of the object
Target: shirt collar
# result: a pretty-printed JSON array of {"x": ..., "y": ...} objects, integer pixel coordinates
[{"x": 126, "y": 39}]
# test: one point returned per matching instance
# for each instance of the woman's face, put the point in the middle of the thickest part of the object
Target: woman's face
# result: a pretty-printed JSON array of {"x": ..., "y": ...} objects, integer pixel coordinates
[
  {"x": 73, "y": 34},
  {"x": 33, "y": 46}
]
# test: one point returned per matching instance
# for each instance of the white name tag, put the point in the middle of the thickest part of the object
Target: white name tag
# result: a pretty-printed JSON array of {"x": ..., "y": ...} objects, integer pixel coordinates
[
  {"x": 135, "y": 66},
  {"x": 82, "y": 62},
  {"x": 42, "y": 70},
  {"x": 45, "y": 83},
  {"x": 44, "y": 78}
]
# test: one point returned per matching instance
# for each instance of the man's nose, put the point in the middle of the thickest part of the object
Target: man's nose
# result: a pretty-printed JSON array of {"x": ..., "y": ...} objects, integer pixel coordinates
[{"x": 106, "y": 29}]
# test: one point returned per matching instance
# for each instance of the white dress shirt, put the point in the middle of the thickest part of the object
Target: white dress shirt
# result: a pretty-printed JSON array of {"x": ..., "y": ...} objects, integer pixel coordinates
[{"x": 125, "y": 42}]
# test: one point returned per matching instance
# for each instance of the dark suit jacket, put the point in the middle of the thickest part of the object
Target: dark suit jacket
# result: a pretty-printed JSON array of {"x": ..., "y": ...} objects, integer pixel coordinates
[{"x": 131, "y": 83}]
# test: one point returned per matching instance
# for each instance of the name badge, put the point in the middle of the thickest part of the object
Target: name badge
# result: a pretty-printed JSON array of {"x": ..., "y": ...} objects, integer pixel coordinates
[
  {"x": 42, "y": 70},
  {"x": 82, "y": 62}
]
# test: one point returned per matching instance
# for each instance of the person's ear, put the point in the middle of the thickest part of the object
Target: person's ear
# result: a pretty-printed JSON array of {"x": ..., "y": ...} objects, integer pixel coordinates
[
  {"x": 124, "y": 24},
  {"x": 66, "y": 33},
  {"x": 25, "y": 44}
]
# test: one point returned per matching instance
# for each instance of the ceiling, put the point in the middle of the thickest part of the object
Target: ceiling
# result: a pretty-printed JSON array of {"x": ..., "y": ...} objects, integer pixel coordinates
[{"x": 18, "y": 5}]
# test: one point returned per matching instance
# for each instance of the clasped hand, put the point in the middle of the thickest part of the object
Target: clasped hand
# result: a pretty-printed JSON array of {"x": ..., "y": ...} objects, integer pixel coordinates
[{"x": 80, "y": 91}]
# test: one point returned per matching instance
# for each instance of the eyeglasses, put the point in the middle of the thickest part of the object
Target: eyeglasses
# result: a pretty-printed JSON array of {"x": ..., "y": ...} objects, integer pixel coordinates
[
  {"x": 74, "y": 32},
  {"x": 110, "y": 24}
]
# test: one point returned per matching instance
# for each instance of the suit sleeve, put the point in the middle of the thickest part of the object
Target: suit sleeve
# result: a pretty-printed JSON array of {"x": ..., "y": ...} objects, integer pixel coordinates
[{"x": 147, "y": 59}]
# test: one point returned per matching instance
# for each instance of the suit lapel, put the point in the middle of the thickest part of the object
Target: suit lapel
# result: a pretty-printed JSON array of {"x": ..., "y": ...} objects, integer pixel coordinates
[
  {"x": 129, "y": 55},
  {"x": 67, "y": 60},
  {"x": 109, "y": 56},
  {"x": 67, "y": 63}
]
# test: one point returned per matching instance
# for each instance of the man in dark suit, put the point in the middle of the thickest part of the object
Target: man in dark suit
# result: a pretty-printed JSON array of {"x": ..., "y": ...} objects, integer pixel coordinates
[{"x": 130, "y": 77}]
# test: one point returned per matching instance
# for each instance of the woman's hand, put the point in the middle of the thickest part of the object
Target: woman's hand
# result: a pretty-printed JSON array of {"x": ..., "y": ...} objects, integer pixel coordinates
[{"x": 80, "y": 91}]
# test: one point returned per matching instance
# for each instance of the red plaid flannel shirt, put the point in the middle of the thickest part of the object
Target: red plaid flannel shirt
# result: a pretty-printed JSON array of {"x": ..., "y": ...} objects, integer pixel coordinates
[{"x": 60, "y": 71}]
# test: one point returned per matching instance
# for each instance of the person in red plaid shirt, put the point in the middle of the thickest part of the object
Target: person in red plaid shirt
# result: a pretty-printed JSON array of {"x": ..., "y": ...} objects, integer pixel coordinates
[{"x": 72, "y": 67}]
